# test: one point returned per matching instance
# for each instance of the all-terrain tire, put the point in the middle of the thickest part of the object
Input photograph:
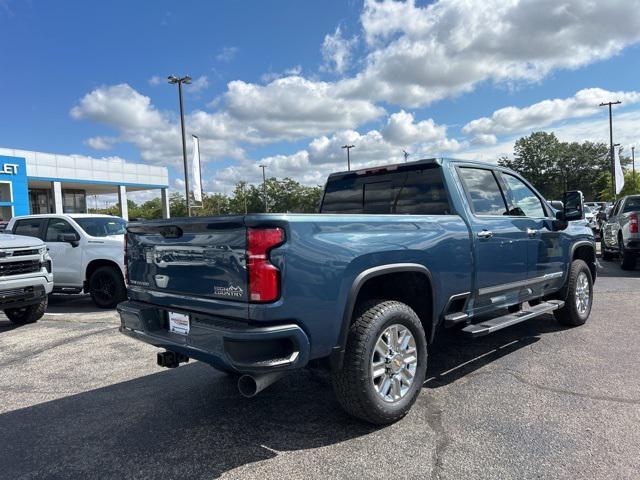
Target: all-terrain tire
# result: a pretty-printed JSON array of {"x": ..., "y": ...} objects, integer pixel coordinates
[
  {"x": 572, "y": 314},
  {"x": 106, "y": 287},
  {"x": 354, "y": 385},
  {"x": 30, "y": 314}
]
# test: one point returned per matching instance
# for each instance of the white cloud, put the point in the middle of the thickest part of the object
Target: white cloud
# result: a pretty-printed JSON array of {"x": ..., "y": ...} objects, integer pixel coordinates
[
  {"x": 101, "y": 143},
  {"x": 422, "y": 54},
  {"x": 226, "y": 54},
  {"x": 336, "y": 51},
  {"x": 271, "y": 76},
  {"x": 401, "y": 129},
  {"x": 155, "y": 80},
  {"x": 294, "y": 107},
  {"x": 548, "y": 112},
  {"x": 156, "y": 134},
  {"x": 199, "y": 84}
]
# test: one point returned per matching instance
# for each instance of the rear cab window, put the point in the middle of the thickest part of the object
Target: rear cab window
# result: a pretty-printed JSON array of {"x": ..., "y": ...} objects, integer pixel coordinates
[
  {"x": 411, "y": 191},
  {"x": 631, "y": 205}
]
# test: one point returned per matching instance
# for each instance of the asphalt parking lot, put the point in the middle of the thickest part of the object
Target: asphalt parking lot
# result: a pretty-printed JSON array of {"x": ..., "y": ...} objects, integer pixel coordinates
[{"x": 533, "y": 401}]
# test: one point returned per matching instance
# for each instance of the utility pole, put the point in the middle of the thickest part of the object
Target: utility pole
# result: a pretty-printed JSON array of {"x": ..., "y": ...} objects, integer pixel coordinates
[
  {"x": 348, "y": 147},
  {"x": 179, "y": 81},
  {"x": 264, "y": 188},
  {"x": 611, "y": 152}
]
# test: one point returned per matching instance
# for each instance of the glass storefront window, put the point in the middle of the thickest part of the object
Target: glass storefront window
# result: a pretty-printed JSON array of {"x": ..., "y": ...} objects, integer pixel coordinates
[
  {"x": 5, "y": 192},
  {"x": 40, "y": 201},
  {"x": 74, "y": 201}
]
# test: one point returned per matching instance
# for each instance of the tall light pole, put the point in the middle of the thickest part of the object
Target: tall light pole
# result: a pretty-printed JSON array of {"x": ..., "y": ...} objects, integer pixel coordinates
[
  {"x": 180, "y": 80},
  {"x": 264, "y": 188},
  {"x": 633, "y": 167},
  {"x": 406, "y": 155},
  {"x": 611, "y": 152},
  {"x": 348, "y": 147}
]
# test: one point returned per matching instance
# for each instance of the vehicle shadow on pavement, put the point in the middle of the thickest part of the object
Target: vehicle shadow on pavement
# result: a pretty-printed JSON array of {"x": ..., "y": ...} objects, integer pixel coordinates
[
  {"x": 189, "y": 422},
  {"x": 453, "y": 355},
  {"x": 7, "y": 326},
  {"x": 72, "y": 303}
]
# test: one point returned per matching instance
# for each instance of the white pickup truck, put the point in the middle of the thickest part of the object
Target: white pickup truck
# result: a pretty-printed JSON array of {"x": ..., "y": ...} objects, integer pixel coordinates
[
  {"x": 25, "y": 278},
  {"x": 87, "y": 252}
]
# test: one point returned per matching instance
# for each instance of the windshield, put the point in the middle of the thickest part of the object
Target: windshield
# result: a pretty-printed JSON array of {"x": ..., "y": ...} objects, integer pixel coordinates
[{"x": 102, "y": 227}]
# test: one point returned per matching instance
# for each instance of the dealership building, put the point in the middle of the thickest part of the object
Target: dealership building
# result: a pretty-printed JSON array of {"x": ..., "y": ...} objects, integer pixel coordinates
[{"x": 36, "y": 182}]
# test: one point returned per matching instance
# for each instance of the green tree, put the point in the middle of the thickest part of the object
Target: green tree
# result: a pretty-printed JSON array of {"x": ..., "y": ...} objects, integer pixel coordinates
[{"x": 553, "y": 166}]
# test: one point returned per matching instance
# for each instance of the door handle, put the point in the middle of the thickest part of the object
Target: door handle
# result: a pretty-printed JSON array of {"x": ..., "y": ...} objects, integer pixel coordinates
[
  {"x": 485, "y": 234},
  {"x": 531, "y": 232}
]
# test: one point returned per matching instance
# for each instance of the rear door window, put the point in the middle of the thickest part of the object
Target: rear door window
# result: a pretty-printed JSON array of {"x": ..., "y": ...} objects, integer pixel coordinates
[
  {"x": 31, "y": 227},
  {"x": 483, "y": 191}
]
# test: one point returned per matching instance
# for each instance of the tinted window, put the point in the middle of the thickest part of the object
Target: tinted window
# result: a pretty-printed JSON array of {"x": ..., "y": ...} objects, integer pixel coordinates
[
  {"x": 525, "y": 202},
  {"x": 483, "y": 190},
  {"x": 631, "y": 205},
  {"x": 57, "y": 228},
  {"x": 343, "y": 196},
  {"x": 102, "y": 227},
  {"x": 423, "y": 193},
  {"x": 377, "y": 197},
  {"x": 416, "y": 192},
  {"x": 29, "y": 227}
]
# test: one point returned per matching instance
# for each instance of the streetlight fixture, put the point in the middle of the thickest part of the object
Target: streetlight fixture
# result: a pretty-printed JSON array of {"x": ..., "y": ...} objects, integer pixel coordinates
[
  {"x": 348, "y": 147},
  {"x": 264, "y": 188},
  {"x": 179, "y": 81}
]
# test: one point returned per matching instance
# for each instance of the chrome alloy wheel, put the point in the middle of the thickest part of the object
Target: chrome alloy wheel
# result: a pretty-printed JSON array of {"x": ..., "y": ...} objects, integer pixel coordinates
[
  {"x": 394, "y": 362},
  {"x": 583, "y": 293}
]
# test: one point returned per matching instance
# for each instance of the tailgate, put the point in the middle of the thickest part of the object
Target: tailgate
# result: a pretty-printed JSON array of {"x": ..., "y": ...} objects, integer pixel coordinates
[{"x": 195, "y": 257}]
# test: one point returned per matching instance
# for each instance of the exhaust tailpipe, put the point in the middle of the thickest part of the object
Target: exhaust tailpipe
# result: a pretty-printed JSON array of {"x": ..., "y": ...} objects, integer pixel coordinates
[{"x": 251, "y": 385}]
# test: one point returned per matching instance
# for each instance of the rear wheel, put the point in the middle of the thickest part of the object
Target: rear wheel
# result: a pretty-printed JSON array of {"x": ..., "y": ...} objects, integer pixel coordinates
[
  {"x": 106, "y": 287},
  {"x": 384, "y": 365},
  {"x": 579, "y": 296},
  {"x": 627, "y": 259},
  {"x": 30, "y": 314}
]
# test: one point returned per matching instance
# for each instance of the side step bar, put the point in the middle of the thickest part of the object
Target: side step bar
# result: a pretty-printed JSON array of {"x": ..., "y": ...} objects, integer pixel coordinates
[{"x": 498, "y": 323}]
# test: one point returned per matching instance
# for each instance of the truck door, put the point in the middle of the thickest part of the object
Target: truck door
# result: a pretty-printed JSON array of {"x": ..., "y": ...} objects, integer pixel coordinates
[
  {"x": 500, "y": 243},
  {"x": 66, "y": 257},
  {"x": 548, "y": 250}
]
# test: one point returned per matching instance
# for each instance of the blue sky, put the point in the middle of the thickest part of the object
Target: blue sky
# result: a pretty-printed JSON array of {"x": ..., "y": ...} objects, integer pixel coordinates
[{"x": 286, "y": 83}]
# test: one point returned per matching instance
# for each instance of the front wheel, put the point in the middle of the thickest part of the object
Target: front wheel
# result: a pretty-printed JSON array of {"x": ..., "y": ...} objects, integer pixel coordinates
[
  {"x": 106, "y": 287},
  {"x": 384, "y": 365},
  {"x": 30, "y": 314},
  {"x": 579, "y": 296}
]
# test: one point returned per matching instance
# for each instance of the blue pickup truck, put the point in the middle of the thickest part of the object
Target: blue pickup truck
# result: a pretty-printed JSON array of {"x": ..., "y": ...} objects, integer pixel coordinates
[{"x": 394, "y": 255}]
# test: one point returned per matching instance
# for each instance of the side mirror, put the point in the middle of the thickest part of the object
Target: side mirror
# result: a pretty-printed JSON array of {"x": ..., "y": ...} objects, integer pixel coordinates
[
  {"x": 70, "y": 238},
  {"x": 557, "y": 204},
  {"x": 573, "y": 206}
]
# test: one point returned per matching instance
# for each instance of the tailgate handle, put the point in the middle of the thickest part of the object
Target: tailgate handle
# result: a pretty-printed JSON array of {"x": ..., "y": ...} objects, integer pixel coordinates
[{"x": 171, "y": 231}]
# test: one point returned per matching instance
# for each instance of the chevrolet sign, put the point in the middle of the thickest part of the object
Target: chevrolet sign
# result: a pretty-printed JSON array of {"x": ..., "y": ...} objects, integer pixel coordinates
[{"x": 9, "y": 169}]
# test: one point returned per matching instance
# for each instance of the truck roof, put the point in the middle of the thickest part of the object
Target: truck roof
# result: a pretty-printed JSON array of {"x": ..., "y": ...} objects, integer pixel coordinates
[{"x": 408, "y": 166}]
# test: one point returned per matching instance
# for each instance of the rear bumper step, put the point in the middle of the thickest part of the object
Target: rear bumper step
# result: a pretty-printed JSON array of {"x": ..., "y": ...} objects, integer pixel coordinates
[{"x": 498, "y": 323}]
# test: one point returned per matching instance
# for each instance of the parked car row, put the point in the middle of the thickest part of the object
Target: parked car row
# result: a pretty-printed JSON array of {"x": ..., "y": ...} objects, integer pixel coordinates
[{"x": 83, "y": 252}]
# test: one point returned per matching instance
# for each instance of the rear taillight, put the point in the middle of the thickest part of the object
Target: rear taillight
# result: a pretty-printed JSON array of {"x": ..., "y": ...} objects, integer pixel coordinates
[
  {"x": 264, "y": 277},
  {"x": 126, "y": 260},
  {"x": 633, "y": 223}
]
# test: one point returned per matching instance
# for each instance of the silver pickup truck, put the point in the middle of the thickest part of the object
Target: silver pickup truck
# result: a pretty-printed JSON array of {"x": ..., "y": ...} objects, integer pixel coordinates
[
  {"x": 25, "y": 278},
  {"x": 620, "y": 232}
]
